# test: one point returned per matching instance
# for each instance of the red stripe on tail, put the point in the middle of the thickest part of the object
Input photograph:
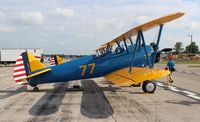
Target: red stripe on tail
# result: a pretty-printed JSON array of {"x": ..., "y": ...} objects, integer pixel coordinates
[{"x": 19, "y": 78}]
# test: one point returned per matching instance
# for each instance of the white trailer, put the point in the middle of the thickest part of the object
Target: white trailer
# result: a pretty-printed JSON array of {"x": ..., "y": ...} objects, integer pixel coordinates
[{"x": 9, "y": 55}]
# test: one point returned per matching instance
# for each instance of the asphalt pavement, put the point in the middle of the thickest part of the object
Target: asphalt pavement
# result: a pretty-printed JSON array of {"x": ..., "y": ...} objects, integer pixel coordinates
[{"x": 97, "y": 100}]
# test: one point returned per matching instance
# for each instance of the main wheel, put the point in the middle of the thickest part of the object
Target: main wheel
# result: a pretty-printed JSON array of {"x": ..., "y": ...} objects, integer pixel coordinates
[
  {"x": 35, "y": 89},
  {"x": 148, "y": 86}
]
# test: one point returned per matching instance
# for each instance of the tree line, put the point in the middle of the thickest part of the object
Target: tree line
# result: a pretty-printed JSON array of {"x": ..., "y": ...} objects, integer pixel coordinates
[{"x": 191, "y": 48}]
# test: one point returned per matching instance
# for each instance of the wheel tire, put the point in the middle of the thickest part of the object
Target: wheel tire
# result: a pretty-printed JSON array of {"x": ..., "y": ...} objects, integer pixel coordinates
[
  {"x": 148, "y": 86},
  {"x": 76, "y": 86},
  {"x": 143, "y": 86},
  {"x": 35, "y": 89}
]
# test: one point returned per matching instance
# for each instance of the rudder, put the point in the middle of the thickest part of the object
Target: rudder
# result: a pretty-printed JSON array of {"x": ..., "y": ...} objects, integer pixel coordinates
[{"x": 25, "y": 64}]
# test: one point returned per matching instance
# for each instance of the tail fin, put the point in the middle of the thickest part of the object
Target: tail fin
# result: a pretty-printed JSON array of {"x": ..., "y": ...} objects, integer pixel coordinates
[
  {"x": 20, "y": 73},
  {"x": 25, "y": 64},
  {"x": 55, "y": 60}
]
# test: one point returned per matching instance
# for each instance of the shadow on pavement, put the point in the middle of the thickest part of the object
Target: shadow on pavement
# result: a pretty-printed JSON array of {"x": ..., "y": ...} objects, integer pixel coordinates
[
  {"x": 94, "y": 103},
  {"x": 9, "y": 93},
  {"x": 51, "y": 101}
]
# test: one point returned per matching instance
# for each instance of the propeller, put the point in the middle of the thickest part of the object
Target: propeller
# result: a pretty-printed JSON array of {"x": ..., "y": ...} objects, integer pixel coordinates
[{"x": 159, "y": 52}]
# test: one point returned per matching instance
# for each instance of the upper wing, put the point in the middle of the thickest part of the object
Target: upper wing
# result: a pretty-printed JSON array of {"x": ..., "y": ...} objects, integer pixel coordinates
[
  {"x": 122, "y": 77},
  {"x": 144, "y": 27}
]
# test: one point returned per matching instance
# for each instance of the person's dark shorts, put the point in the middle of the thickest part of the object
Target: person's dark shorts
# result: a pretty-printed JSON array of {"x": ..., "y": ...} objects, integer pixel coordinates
[{"x": 172, "y": 69}]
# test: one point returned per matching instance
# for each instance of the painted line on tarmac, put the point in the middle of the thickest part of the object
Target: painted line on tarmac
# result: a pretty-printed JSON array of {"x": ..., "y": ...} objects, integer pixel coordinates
[
  {"x": 160, "y": 84},
  {"x": 174, "y": 89},
  {"x": 194, "y": 96},
  {"x": 191, "y": 94},
  {"x": 181, "y": 91}
]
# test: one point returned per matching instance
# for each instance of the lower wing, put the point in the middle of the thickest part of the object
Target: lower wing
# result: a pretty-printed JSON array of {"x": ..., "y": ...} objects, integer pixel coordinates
[{"x": 122, "y": 77}]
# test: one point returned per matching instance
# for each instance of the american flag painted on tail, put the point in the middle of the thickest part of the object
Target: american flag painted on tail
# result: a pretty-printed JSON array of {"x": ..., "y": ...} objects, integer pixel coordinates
[
  {"x": 19, "y": 73},
  {"x": 52, "y": 61}
]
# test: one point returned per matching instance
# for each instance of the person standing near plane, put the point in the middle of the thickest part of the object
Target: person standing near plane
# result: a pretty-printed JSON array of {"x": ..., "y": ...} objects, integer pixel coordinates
[
  {"x": 170, "y": 67},
  {"x": 171, "y": 64}
]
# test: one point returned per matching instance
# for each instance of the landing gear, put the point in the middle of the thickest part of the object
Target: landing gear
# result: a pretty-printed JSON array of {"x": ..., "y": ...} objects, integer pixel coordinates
[
  {"x": 35, "y": 89},
  {"x": 76, "y": 86},
  {"x": 148, "y": 86}
]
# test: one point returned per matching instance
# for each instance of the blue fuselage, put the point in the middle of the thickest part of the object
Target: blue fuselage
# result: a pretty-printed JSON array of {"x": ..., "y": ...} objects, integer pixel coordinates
[{"x": 104, "y": 64}]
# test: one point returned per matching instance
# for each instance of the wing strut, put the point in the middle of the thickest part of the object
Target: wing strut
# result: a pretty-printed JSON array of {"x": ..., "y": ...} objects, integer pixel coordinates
[
  {"x": 140, "y": 37},
  {"x": 145, "y": 49},
  {"x": 134, "y": 51},
  {"x": 124, "y": 40},
  {"x": 157, "y": 43},
  {"x": 131, "y": 41}
]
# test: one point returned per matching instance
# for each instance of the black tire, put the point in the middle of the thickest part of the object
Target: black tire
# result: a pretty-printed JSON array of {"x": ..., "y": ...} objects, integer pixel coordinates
[
  {"x": 35, "y": 89},
  {"x": 76, "y": 86},
  {"x": 148, "y": 86}
]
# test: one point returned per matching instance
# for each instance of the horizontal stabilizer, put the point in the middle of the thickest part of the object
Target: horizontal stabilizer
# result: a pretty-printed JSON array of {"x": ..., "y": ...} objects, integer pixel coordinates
[
  {"x": 39, "y": 72},
  {"x": 122, "y": 77}
]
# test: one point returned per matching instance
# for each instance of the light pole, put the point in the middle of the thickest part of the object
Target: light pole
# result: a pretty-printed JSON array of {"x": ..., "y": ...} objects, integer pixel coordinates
[
  {"x": 190, "y": 48},
  {"x": 190, "y": 38}
]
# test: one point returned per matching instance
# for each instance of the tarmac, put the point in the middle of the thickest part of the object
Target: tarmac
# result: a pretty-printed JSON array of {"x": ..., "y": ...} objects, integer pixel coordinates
[{"x": 98, "y": 101}]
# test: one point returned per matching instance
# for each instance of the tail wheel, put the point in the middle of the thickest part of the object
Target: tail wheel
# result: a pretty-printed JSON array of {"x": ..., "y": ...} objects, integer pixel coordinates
[{"x": 148, "y": 86}]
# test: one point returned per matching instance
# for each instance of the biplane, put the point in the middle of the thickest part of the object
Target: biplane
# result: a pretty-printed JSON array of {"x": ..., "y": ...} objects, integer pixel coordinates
[
  {"x": 122, "y": 61},
  {"x": 55, "y": 60}
]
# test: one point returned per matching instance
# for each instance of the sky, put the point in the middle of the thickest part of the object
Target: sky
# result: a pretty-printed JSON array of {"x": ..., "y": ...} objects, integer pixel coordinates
[{"x": 80, "y": 27}]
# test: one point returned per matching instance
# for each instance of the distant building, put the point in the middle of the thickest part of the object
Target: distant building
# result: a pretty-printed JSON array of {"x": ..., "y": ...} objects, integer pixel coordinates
[{"x": 9, "y": 55}]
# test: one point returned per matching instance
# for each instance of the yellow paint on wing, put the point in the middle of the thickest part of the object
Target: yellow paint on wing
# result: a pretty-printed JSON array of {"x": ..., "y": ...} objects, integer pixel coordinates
[{"x": 137, "y": 75}]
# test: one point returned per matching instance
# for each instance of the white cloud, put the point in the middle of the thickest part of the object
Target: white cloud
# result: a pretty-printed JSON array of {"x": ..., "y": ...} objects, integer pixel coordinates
[
  {"x": 195, "y": 25},
  {"x": 103, "y": 24},
  {"x": 31, "y": 18},
  {"x": 6, "y": 29},
  {"x": 60, "y": 43},
  {"x": 2, "y": 16},
  {"x": 143, "y": 19},
  {"x": 64, "y": 12}
]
